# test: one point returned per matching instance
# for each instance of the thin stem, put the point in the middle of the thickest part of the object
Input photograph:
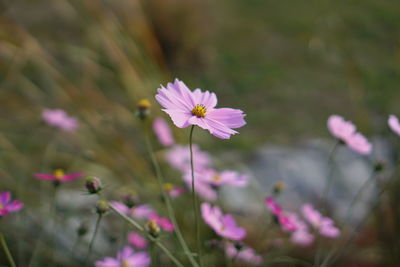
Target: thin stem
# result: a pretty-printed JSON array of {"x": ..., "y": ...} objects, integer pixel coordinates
[
  {"x": 153, "y": 254},
  {"x": 6, "y": 250},
  {"x": 152, "y": 239},
  {"x": 170, "y": 210},
  {"x": 96, "y": 228},
  {"x": 194, "y": 198}
]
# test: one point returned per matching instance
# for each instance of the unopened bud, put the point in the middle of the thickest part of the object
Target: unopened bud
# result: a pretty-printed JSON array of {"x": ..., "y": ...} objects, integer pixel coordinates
[
  {"x": 279, "y": 187},
  {"x": 153, "y": 228},
  {"x": 129, "y": 199},
  {"x": 143, "y": 109},
  {"x": 102, "y": 207},
  {"x": 82, "y": 229},
  {"x": 93, "y": 185}
]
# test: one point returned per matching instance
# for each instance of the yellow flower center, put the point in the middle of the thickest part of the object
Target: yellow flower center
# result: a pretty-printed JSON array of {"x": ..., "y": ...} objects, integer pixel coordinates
[
  {"x": 217, "y": 177},
  {"x": 199, "y": 111},
  {"x": 144, "y": 104},
  {"x": 124, "y": 264},
  {"x": 168, "y": 187},
  {"x": 1, "y": 206},
  {"x": 59, "y": 174}
]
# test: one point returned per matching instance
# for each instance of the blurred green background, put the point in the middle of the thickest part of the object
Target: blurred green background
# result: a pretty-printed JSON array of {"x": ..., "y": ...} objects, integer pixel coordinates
[{"x": 287, "y": 64}]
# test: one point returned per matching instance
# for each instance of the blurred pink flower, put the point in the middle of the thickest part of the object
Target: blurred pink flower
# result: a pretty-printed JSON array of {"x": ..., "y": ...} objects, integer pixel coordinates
[
  {"x": 164, "y": 223},
  {"x": 285, "y": 220},
  {"x": 394, "y": 124},
  {"x": 204, "y": 190},
  {"x": 58, "y": 176},
  {"x": 60, "y": 119},
  {"x": 221, "y": 178},
  {"x": 137, "y": 240},
  {"x": 127, "y": 257},
  {"x": 274, "y": 207},
  {"x": 245, "y": 254},
  {"x": 325, "y": 225},
  {"x": 7, "y": 206},
  {"x": 137, "y": 212},
  {"x": 173, "y": 191},
  {"x": 198, "y": 108},
  {"x": 179, "y": 158},
  {"x": 163, "y": 132},
  {"x": 223, "y": 224},
  {"x": 346, "y": 132},
  {"x": 301, "y": 235}
]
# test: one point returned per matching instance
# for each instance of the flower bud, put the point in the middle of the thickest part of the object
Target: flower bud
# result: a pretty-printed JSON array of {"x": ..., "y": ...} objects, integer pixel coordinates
[
  {"x": 153, "y": 228},
  {"x": 143, "y": 109},
  {"x": 93, "y": 185},
  {"x": 129, "y": 199},
  {"x": 379, "y": 166},
  {"x": 82, "y": 229},
  {"x": 102, "y": 207},
  {"x": 278, "y": 187}
]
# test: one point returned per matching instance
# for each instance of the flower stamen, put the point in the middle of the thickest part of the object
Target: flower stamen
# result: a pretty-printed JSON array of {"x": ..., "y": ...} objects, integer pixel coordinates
[
  {"x": 59, "y": 174},
  {"x": 199, "y": 111}
]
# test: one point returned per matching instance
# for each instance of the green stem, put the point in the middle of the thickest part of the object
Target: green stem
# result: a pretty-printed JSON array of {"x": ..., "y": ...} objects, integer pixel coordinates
[
  {"x": 170, "y": 210},
  {"x": 6, "y": 250},
  {"x": 194, "y": 198},
  {"x": 94, "y": 236},
  {"x": 153, "y": 254},
  {"x": 152, "y": 239}
]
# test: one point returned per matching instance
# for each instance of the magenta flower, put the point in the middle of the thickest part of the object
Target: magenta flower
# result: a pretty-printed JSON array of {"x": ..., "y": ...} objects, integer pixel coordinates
[
  {"x": 164, "y": 223},
  {"x": 245, "y": 254},
  {"x": 163, "y": 132},
  {"x": 7, "y": 206},
  {"x": 394, "y": 124},
  {"x": 346, "y": 132},
  {"x": 223, "y": 178},
  {"x": 273, "y": 206},
  {"x": 198, "y": 108},
  {"x": 58, "y": 176},
  {"x": 137, "y": 212},
  {"x": 204, "y": 190},
  {"x": 223, "y": 224},
  {"x": 325, "y": 225},
  {"x": 179, "y": 158},
  {"x": 286, "y": 221},
  {"x": 137, "y": 240},
  {"x": 127, "y": 257},
  {"x": 60, "y": 119}
]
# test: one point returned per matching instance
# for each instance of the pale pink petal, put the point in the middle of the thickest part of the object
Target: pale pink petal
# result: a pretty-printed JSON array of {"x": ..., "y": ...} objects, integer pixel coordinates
[
  {"x": 218, "y": 129},
  {"x": 359, "y": 143},
  {"x": 120, "y": 207},
  {"x": 137, "y": 240},
  {"x": 302, "y": 238},
  {"x": 339, "y": 127},
  {"x": 394, "y": 124},
  {"x": 139, "y": 259},
  {"x": 179, "y": 117},
  {"x": 5, "y": 197},
  {"x": 14, "y": 206},
  {"x": 43, "y": 176},
  {"x": 108, "y": 262},
  {"x": 232, "y": 118},
  {"x": 163, "y": 132}
]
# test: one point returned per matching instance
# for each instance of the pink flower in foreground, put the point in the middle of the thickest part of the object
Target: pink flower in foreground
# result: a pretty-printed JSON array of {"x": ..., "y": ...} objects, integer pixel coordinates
[
  {"x": 58, "y": 176},
  {"x": 137, "y": 240},
  {"x": 60, "y": 119},
  {"x": 179, "y": 158},
  {"x": 223, "y": 224},
  {"x": 325, "y": 225},
  {"x": 198, "y": 108},
  {"x": 126, "y": 258},
  {"x": 226, "y": 177},
  {"x": 394, "y": 124},
  {"x": 163, "y": 132},
  {"x": 346, "y": 132},
  {"x": 245, "y": 254},
  {"x": 204, "y": 190},
  {"x": 164, "y": 223},
  {"x": 137, "y": 212},
  {"x": 7, "y": 206}
]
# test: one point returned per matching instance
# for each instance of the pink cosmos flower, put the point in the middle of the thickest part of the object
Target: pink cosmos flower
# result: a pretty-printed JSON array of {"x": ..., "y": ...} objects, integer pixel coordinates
[
  {"x": 204, "y": 190},
  {"x": 245, "y": 254},
  {"x": 273, "y": 206},
  {"x": 163, "y": 132},
  {"x": 60, "y": 119},
  {"x": 7, "y": 206},
  {"x": 325, "y": 225},
  {"x": 179, "y": 158},
  {"x": 346, "y": 132},
  {"x": 58, "y": 176},
  {"x": 164, "y": 223},
  {"x": 226, "y": 177},
  {"x": 137, "y": 240},
  {"x": 127, "y": 257},
  {"x": 198, "y": 108},
  {"x": 223, "y": 224},
  {"x": 285, "y": 220},
  {"x": 137, "y": 212},
  {"x": 301, "y": 235},
  {"x": 394, "y": 124}
]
